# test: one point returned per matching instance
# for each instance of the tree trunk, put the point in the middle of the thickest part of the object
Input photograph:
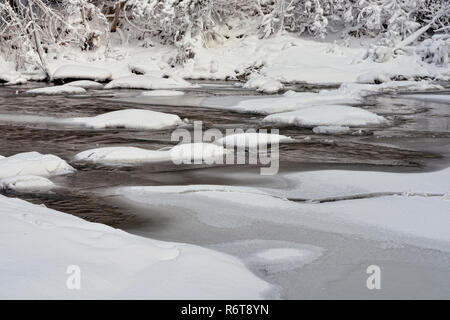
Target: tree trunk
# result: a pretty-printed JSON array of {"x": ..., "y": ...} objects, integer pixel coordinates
[{"x": 119, "y": 6}]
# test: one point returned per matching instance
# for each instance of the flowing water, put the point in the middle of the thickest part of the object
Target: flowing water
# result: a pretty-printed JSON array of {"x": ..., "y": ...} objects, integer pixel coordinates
[{"x": 417, "y": 139}]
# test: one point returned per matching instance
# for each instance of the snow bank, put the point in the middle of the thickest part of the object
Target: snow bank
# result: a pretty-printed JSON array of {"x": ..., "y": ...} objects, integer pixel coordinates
[
  {"x": 329, "y": 115},
  {"x": 26, "y": 184},
  {"x": 147, "y": 82},
  {"x": 65, "y": 89},
  {"x": 12, "y": 78},
  {"x": 162, "y": 93},
  {"x": 33, "y": 163},
  {"x": 131, "y": 155},
  {"x": 251, "y": 139},
  {"x": 82, "y": 72},
  {"x": 130, "y": 119},
  {"x": 85, "y": 84},
  {"x": 43, "y": 243}
]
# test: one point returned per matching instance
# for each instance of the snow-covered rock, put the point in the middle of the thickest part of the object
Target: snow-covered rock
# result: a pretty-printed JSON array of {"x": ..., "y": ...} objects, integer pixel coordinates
[
  {"x": 130, "y": 119},
  {"x": 328, "y": 115},
  {"x": 46, "y": 248},
  {"x": 197, "y": 152},
  {"x": 147, "y": 82},
  {"x": 33, "y": 163},
  {"x": 85, "y": 84},
  {"x": 162, "y": 93},
  {"x": 264, "y": 84},
  {"x": 64, "y": 89},
  {"x": 331, "y": 130},
  {"x": 122, "y": 155},
  {"x": 373, "y": 77},
  {"x": 26, "y": 184},
  {"x": 81, "y": 72},
  {"x": 130, "y": 155},
  {"x": 251, "y": 139}
]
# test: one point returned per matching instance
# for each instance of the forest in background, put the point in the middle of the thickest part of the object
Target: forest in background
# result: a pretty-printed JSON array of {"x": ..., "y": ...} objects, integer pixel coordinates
[{"x": 30, "y": 30}]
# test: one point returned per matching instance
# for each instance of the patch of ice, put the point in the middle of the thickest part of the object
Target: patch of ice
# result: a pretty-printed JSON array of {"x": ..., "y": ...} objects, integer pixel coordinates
[
  {"x": 26, "y": 184},
  {"x": 147, "y": 82},
  {"x": 33, "y": 163},
  {"x": 64, "y": 89},
  {"x": 130, "y": 119},
  {"x": 327, "y": 115},
  {"x": 162, "y": 93},
  {"x": 441, "y": 98},
  {"x": 280, "y": 254},
  {"x": 82, "y": 72},
  {"x": 331, "y": 130}
]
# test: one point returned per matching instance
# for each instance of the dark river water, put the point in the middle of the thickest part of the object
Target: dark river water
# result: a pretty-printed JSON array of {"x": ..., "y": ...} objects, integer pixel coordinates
[{"x": 418, "y": 139}]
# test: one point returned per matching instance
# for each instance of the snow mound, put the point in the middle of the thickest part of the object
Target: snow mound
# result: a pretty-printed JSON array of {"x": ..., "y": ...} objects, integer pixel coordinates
[
  {"x": 44, "y": 244},
  {"x": 264, "y": 84},
  {"x": 251, "y": 139},
  {"x": 130, "y": 155},
  {"x": 331, "y": 130},
  {"x": 33, "y": 163},
  {"x": 81, "y": 72},
  {"x": 85, "y": 84},
  {"x": 197, "y": 152},
  {"x": 162, "y": 93},
  {"x": 26, "y": 184},
  {"x": 373, "y": 77},
  {"x": 65, "y": 89},
  {"x": 147, "y": 82},
  {"x": 130, "y": 119},
  {"x": 328, "y": 115},
  {"x": 125, "y": 155}
]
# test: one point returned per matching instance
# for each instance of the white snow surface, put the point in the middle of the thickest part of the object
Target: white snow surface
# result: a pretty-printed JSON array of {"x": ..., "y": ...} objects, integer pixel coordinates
[
  {"x": 64, "y": 89},
  {"x": 251, "y": 139},
  {"x": 82, "y": 72},
  {"x": 33, "y": 163},
  {"x": 264, "y": 84},
  {"x": 26, "y": 184},
  {"x": 37, "y": 246},
  {"x": 132, "y": 155},
  {"x": 85, "y": 84},
  {"x": 130, "y": 119},
  {"x": 147, "y": 82},
  {"x": 327, "y": 115}
]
